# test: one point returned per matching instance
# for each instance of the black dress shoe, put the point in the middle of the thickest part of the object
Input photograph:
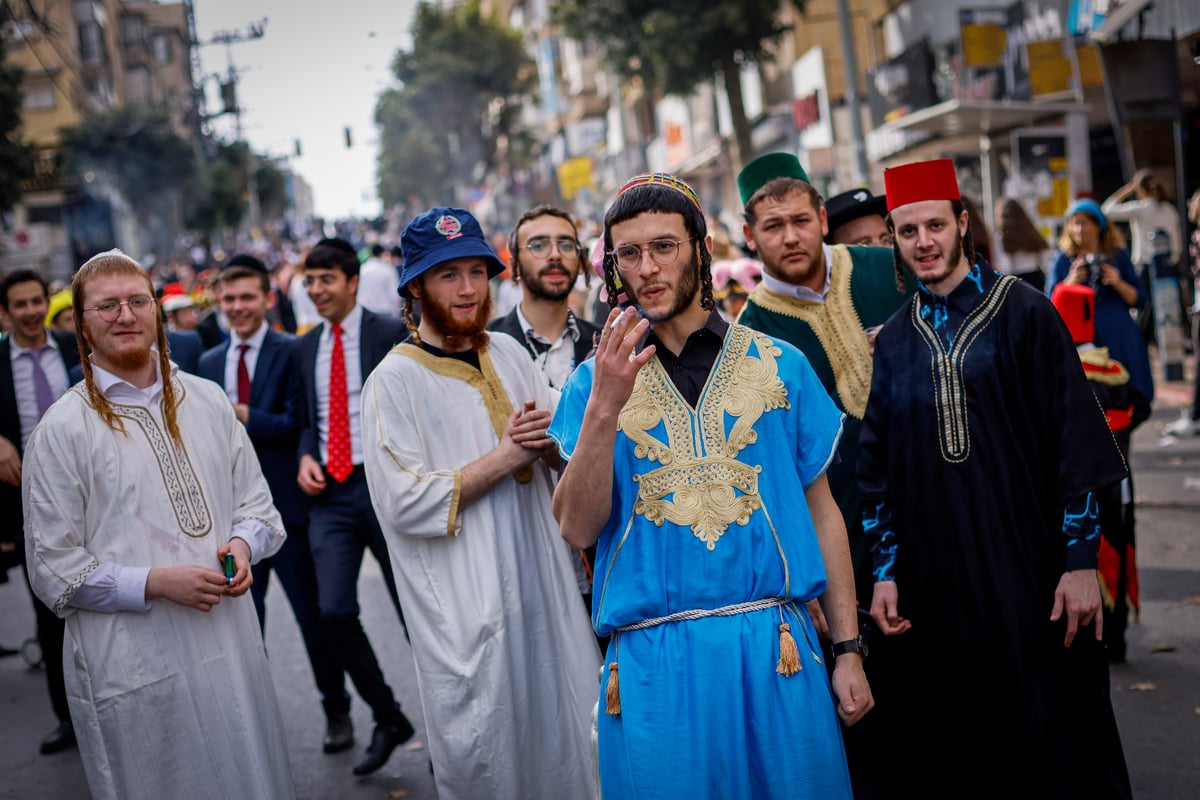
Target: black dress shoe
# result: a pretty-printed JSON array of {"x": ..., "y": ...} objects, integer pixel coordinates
[
  {"x": 384, "y": 740},
  {"x": 339, "y": 733},
  {"x": 59, "y": 739}
]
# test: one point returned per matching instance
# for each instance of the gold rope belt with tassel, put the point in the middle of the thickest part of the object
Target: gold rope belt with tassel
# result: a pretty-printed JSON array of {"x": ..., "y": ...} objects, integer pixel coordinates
[{"x": 789, "y": 655}]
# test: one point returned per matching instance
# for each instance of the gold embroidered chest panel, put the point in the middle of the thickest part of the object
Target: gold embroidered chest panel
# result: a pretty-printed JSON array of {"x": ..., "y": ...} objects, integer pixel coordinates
[
  {"x": 700, "y": 483},
  {"x": 838, "y": 328}
]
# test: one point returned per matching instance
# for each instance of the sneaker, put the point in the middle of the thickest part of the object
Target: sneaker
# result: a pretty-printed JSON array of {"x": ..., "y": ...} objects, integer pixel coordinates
[{"x": 1184, "y": 426}]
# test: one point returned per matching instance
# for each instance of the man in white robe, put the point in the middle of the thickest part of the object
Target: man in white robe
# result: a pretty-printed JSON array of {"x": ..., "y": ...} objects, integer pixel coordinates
[
  {"x": 454, "y": 434},
  {"x": 135, "y": 490}
]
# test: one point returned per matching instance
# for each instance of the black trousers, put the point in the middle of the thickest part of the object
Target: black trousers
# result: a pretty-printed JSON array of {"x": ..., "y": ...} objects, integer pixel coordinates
[
  {"x": 293, "y": 565},
  {"x": 50, "y": 631},
  {"x": 341, "y": 526}
]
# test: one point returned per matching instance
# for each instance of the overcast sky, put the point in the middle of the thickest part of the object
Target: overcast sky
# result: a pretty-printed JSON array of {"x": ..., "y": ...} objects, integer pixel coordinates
[{"x": 318, "y": 69}]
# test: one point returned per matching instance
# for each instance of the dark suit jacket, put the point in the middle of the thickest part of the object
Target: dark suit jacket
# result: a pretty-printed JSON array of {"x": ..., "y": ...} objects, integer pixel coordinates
[
  {"x": 512, "y": 326},
  {"x": 12, "y": 517},
  {"x": 186, "y": 348},
  {"x": 276, "y": 403},
  {"x": 378, "y": 335}
]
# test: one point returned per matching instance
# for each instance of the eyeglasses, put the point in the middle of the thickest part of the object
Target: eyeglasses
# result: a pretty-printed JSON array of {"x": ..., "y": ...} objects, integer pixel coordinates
[
  {"x": 541, "y": 248},
  {"x": 109, "y": 310},
  {"x": 663, "y": 252}
]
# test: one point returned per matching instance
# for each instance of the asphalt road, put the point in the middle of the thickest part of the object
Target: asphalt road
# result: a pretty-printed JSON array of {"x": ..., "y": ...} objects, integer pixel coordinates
[{"x": 1156, "y": 694}]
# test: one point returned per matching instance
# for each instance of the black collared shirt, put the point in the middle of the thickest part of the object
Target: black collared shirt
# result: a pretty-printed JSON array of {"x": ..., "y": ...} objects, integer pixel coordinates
[
  {"x": 690, "y": 368},
  {"x": 470, "y": 356}
]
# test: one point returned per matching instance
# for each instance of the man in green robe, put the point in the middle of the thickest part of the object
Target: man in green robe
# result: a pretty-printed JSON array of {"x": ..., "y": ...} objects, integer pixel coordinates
[{"x": 828, "y": 301}]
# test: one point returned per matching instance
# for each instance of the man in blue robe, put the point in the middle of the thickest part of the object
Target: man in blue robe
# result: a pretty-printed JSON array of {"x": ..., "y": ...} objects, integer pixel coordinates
[{"x": 696, "y": 456}]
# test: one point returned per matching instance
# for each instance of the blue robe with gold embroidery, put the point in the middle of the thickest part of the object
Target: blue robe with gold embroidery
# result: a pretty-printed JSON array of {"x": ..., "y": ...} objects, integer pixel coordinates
[
  {"x": 981, "y": 429},
  {"x": 708, "y": 511}
]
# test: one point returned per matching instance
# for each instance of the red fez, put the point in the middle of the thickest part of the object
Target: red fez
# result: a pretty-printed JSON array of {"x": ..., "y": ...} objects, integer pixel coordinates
[
  {"x": 922, "y": 180},
  {"x": 1077, "y": 305}
]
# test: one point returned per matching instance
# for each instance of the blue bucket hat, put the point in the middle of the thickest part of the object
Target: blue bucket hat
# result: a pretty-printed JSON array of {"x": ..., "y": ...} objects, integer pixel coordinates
[
  {"x": 439, "y": 235},
  {"x": 1086, "y": 205}
]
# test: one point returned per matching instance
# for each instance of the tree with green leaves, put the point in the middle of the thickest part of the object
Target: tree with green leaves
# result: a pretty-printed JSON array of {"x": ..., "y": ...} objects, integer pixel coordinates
[
  {"x": 16, "y": 158},
  {"x": 672, "y": 46},
  {"x": 454, "y": 116},
  {"x": 137, "y": 149}
]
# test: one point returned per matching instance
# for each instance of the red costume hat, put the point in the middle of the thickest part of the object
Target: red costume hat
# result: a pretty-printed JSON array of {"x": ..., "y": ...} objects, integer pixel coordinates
[
  {"x": 1077, "y": 305},
  {"x": 921, "y": 180}
]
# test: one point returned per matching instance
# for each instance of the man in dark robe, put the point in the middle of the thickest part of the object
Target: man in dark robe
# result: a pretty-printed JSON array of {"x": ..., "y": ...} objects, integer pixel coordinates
[{"x": 981, "y": 455}]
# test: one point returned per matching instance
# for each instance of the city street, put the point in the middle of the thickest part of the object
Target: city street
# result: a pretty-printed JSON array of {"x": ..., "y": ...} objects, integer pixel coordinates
[{"x": 1156, "y": 694}]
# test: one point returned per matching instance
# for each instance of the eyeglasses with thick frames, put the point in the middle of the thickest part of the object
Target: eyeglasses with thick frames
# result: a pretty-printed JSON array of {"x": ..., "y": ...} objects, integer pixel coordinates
[
  {"x": 109, "y": 310},
  {"x": 663, "y": 252},
  {"x": 542, "y": 247}
]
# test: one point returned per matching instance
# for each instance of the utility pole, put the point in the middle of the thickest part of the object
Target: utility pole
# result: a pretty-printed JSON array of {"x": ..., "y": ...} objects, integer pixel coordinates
[
  {"x": 229, "y": 96},
  {"x": 850, "y": 82}
]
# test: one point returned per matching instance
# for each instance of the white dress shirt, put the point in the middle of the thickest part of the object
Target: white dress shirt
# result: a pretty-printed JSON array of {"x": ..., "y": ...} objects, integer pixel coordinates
[
  {"x": 351, "y": 346},
  {"x": 234, "y": 353},
  {"x": 555, "y": 360},
  {"x": 802, "y": 292},
  {"x": 50, "y": 358},
  {"x": 115, "y": 587}
]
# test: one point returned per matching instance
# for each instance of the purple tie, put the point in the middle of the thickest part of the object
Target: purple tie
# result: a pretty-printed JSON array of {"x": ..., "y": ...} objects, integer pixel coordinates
[{"x": 41, "y": 384}]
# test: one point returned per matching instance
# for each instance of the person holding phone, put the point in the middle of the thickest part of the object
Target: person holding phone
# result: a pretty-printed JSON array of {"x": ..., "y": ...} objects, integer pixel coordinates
[
  {"x": 138, "y": 484},
  {"x": 1092, "y": 252}
]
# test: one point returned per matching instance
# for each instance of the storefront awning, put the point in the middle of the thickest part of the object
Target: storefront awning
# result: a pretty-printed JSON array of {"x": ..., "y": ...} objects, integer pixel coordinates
[
  {"x": 960, "y": 118},
  {"x": 1116, "y": 19}
]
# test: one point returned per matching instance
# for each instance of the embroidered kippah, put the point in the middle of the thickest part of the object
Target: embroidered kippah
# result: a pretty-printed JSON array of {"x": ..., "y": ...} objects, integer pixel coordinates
[{"x": 661, "y": 179}]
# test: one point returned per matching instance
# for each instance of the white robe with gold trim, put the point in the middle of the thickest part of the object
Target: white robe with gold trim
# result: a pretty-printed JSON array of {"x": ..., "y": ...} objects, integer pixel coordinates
[
  {"x": 506, "y": 660},
  {"x": 169, "y": 702}
]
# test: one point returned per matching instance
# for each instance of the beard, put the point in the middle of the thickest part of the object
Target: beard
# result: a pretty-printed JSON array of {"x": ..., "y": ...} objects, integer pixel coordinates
[
  {"x": 951, "y": 262},
  {"x": 685, "y": 293},
  {"x": 455, "y": 331},
  {"x": 533, "y": 283},
  {"x": 131, "y": 360},
  {"x": 123, "y": 360}
]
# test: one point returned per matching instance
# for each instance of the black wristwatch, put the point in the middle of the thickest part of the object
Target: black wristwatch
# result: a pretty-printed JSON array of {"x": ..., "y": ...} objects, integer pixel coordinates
[{"x": 856, "y": 645}]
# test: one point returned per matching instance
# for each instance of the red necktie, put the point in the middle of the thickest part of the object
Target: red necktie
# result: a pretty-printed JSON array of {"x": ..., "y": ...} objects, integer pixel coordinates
[
  {"x": 243, "y": 377},
  {"x": 339, "y": 461}
]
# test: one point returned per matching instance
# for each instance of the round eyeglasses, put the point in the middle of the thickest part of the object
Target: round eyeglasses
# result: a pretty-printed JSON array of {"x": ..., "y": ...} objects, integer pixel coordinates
[
  {"x": 663, "y": 252},
  {"x": 109, "y": 310},
  {"x": 541, "y": 248}
]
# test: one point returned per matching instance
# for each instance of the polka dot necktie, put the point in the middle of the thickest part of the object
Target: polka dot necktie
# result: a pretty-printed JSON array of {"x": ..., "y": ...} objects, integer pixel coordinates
[{"x": 339, "y": 463}]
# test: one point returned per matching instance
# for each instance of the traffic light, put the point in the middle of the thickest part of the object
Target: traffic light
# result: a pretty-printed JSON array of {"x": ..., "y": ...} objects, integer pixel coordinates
[
  {"x": 349, "y": 141},
  {"x": 229, "y": 96},
  {"x": 298, "y": 153}
]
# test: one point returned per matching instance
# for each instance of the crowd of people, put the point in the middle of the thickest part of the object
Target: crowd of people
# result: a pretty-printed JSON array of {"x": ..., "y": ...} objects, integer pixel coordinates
[{"x": 806, "y": 489}]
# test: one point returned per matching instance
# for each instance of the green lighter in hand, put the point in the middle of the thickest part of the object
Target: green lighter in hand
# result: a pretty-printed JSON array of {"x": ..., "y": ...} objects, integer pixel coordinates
[{"x": 230, "y": 568}]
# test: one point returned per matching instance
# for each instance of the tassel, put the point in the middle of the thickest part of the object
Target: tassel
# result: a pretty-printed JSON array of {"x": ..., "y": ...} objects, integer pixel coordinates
[
  {"x": 789, "y": 656},
  {"x": 612, "y": 694}
]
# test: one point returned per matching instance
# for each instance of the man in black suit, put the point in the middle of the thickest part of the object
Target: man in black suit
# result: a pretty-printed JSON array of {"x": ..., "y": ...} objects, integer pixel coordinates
[
  {"x": 256, "y": 370},
  {"x": 35, "y": 365},
  {"x": 334, "y": 359},
  {"x": 547, "y": 259}
]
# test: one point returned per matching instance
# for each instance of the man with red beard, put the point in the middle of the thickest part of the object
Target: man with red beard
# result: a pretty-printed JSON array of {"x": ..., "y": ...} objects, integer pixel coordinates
[
  {"x": 138, "y": 484},
  {"x": 981, "y": 454},
  {"x": 454, "y": 438}
]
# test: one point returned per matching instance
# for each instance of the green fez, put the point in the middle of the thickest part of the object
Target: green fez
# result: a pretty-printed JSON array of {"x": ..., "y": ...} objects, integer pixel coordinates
[{"x": 767, "y": 168}]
